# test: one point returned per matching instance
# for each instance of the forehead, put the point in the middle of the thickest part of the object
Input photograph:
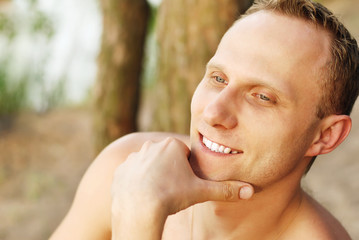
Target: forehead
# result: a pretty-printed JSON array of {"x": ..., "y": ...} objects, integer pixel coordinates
[
  {"x": 273, "y": 39},
  {"x": 286, "y": 34}
]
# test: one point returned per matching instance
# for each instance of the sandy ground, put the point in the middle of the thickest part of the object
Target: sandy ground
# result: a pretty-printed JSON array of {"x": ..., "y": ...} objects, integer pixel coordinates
[
  {"x": 42, "y": 160},
  {"x": 44, "y": 156}
]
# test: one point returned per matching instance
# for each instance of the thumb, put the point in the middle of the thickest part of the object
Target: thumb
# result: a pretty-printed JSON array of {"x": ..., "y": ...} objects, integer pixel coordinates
[{"x": 224, "y": 191}]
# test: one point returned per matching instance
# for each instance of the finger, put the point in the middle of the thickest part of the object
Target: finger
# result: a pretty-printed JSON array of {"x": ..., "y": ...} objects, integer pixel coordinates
[
  {"x": 184, "y": 148},
  {"x": 181, "y": 145},
  {"x": 224, "y": 191},
  {"x": 146, "y": 145}
]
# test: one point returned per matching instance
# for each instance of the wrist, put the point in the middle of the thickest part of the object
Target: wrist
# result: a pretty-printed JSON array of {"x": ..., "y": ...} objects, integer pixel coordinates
[{"x": 138, "y": 221}]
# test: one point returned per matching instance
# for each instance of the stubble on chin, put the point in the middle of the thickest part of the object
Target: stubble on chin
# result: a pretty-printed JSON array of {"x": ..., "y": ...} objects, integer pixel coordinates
[{"x": 207, "y": 172}]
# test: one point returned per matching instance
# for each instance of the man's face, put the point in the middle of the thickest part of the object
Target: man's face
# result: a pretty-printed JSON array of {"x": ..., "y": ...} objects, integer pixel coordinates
[{"x": 257, "y": 101}]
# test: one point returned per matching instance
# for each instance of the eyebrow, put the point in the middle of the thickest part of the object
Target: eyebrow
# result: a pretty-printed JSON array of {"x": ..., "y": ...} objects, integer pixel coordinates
[{"x": 211, "y": 64}]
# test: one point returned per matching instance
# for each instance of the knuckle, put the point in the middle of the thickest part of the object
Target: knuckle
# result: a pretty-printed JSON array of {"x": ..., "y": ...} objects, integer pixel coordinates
[
  {"x": 170, "y": 140},
  {"x": 132, "y": 156},
  {"x": 228, "y": 192},
  {"x": 147, "y": 144}
]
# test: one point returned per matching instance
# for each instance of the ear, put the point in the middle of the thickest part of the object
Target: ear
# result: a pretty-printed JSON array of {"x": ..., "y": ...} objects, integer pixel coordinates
[{"x": 333, "y": 130}]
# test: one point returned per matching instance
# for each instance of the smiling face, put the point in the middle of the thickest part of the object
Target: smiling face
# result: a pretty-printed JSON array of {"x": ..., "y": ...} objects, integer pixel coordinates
[{"x": 254, "y": 112}]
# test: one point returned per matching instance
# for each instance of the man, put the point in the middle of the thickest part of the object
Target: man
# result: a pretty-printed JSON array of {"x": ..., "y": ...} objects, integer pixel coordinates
[{"x": 276, "y": 94}]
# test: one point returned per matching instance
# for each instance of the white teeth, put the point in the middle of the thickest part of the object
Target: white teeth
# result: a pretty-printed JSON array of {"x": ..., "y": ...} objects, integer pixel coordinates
[
  {"x": 207, "y": 142},
  {"x": 221, "y": 149},
  {"x": 215, "y": 147},
  {"x": 227, "y": 150}
]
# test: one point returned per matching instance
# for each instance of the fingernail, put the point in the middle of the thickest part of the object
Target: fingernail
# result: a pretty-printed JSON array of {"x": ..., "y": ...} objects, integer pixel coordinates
[{"x": 245, "y": 192}]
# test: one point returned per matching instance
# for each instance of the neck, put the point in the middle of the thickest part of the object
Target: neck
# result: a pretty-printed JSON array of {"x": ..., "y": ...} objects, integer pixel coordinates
[{"x": 265, "y": 216}]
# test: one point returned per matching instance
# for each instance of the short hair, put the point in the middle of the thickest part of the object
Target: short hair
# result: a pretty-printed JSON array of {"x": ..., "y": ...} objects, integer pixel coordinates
[{"x": 341, "y": 75}]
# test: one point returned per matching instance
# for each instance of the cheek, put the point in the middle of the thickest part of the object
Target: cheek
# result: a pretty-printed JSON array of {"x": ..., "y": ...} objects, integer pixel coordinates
[
  {"x": 198, "y": 101},
  {"x": 273, "y": 139},
  {"x": 287, "y": 145},
  {"x": 196, "y": 110}
]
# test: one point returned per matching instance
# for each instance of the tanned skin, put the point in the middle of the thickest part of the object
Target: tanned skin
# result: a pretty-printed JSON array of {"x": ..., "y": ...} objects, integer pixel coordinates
[{"x": 258, "y": 98}]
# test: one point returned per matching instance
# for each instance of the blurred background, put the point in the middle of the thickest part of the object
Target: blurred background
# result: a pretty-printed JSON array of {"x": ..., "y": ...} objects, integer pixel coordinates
[{"x": 76, "y": 75}]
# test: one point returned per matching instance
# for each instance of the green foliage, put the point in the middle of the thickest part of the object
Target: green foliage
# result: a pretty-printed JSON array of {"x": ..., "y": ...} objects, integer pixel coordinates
[
  {"x": 12, "y": 95},
  {"x": 149, "y": 71},
  {"x": 152, "y": 19},
  {"x": 52, "y": 97},
  {"x": 17, "y": 81},
  {"x": 7, "y": 27},
  {"x": 42, "y": 24}
]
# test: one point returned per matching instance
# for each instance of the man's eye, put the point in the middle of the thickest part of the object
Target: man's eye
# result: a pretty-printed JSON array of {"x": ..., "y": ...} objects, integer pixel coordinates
[
  {"x": 264, "y": 97},
  {"x": 219, "y": 79}
]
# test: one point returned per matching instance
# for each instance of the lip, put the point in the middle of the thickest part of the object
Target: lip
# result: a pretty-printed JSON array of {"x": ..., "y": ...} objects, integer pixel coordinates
[{"x": 217, "y": 153}]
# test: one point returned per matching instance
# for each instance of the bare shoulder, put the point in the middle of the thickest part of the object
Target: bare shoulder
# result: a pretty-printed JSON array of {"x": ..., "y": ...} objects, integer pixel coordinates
[
  {"x": 315, "y": 222},
  {"x": 134, "y": 141},
  {"x": 90, "y": 214}
]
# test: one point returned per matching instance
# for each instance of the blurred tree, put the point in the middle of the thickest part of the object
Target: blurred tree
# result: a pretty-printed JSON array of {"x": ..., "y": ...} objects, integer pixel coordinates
[
  {"x": 188, "y": 34},
  {"x": 119, "y": 68}
]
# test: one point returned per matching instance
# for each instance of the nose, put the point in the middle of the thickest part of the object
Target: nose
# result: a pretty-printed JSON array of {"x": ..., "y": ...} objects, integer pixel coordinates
[{"x": 220, "y": 112}]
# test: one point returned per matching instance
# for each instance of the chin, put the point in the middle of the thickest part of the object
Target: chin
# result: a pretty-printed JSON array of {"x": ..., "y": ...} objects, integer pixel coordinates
[
  {"x": 214, "y": 170},
  {"x": 211, "y": 170}
]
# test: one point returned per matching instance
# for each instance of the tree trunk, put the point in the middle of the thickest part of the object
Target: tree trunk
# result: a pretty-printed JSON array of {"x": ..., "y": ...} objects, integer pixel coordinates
[
  {"x": 188, "y": 33},
  {"x": 119, "y": 66}
]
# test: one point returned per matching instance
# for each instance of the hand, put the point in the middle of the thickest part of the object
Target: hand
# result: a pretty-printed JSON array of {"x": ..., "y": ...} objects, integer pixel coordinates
[{"x": 158, "y": 181}]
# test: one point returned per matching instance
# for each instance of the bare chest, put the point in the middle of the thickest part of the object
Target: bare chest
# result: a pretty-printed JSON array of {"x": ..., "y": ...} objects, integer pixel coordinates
[{"x": 178, "y": 226}]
